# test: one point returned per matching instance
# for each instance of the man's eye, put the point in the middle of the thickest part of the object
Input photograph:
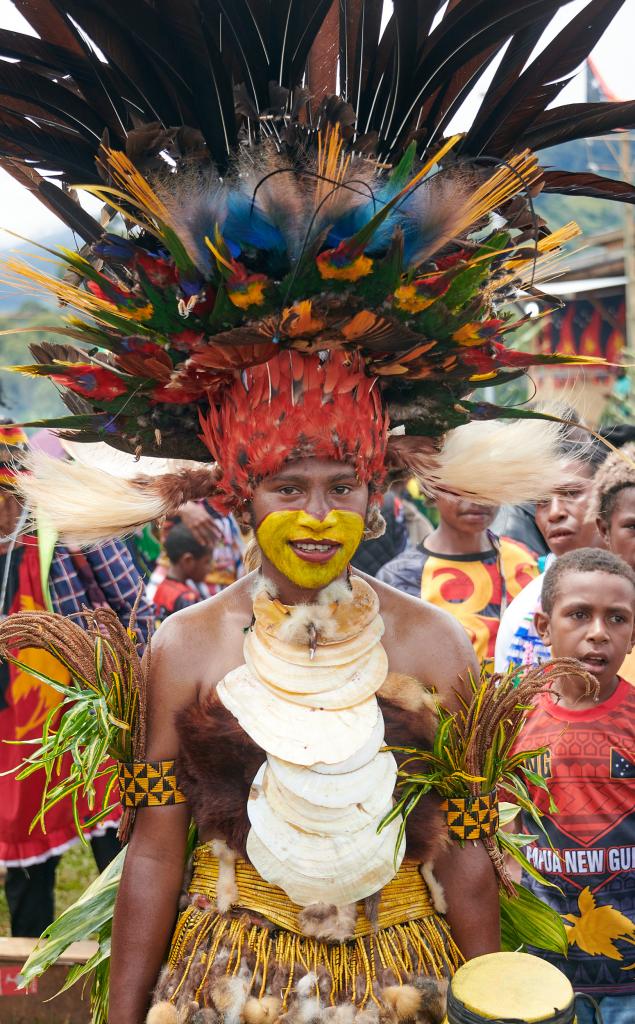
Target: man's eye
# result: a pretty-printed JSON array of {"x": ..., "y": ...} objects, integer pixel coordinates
[
  {"x": 288, "y": 489},
  {"x": 618, "y": 618},
  {"x": 342, "y": 489},
  {"x": 578, "y": 614}
]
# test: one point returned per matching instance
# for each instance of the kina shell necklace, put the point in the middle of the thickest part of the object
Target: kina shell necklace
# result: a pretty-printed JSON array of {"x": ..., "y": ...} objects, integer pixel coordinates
[{"x": 306, "y": 694}]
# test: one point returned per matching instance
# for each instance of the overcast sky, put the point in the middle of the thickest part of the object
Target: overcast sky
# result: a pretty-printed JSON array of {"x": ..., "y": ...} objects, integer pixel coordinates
[{"x": 614, "y": 57}]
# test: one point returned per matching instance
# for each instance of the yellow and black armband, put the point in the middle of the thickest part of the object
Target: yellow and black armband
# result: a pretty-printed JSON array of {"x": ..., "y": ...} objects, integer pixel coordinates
[
  {"x": 148, "y": 784},
  {"x": 473, "y": 817}
]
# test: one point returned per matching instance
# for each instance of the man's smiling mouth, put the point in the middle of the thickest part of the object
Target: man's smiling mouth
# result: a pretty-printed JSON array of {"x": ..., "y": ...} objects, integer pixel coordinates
[{"x": 315, "y": 549}]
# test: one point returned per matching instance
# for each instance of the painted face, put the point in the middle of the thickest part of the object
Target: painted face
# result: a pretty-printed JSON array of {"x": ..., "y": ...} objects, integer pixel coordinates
[{"x": 310, "y": 552}]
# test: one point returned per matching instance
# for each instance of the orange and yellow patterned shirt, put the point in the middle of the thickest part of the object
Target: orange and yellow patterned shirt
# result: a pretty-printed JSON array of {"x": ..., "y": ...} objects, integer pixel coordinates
[{"x": 474, "y": 588}]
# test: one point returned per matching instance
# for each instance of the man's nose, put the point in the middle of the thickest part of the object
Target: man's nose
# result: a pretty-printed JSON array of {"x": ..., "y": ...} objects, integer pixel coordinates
[{"x": 318, "y": 505}]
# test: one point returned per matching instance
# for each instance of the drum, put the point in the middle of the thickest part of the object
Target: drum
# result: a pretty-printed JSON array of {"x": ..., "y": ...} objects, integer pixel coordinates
[{"x": 510, "y": 988}]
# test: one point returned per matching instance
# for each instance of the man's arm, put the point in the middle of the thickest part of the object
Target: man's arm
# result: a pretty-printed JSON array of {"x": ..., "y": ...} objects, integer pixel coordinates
[
  {"x": 148, "y": 896},
  {"x": 466, "y": 872},
  {"x": 471, "y": 892},
  {"x": 433, "y": 647},
  {"x": 146, "y": 909}
]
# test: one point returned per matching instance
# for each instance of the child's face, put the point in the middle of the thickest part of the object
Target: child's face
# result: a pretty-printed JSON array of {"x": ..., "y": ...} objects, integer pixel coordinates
[
  {"x": 620, "y": 534},
  {"x": 463, "y": 515},
  {"x": 592, "y": 620},
  {"x": 197, "y": 569}
]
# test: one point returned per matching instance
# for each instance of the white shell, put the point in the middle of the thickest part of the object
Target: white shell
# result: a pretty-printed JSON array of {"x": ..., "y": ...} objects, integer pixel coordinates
[
  {"x": 362, "y": 756},
  {"x": 310, "y": 818},
  {"x": 290, "y": 731},
  {"x": 371, "y": 784},
  {"x": 337, "y": 869},
  {"x": 357, "y": 675},
  {"x": 349, "y": 686},
  {"x": 326, "y": 805},
  {"x": 333, "y": 654}
]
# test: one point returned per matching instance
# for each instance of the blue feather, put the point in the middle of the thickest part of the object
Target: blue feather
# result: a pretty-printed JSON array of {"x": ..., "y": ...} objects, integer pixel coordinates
[{"x": 246, "y": 225}]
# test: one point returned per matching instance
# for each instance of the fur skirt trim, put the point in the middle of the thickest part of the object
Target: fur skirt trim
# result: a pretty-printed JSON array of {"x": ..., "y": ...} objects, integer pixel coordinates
[{"x": 235, "y": 969}]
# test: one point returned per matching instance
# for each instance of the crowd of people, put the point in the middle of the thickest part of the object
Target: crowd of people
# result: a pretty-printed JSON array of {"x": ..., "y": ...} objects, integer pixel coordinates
[
  {"x": 557, "y": 580},
  {"x": 526, "y": 583}
]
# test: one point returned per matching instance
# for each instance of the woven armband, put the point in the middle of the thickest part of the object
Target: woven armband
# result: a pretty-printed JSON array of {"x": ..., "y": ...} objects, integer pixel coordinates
[
  {"x": 472, "y": 817},
  {"x": 148, "y": 784}
]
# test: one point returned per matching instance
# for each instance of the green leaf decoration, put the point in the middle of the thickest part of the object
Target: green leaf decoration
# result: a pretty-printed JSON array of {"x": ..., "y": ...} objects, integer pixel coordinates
[
  {"x": 82, "y": 920},
  {"x": 527, "y": 921}
]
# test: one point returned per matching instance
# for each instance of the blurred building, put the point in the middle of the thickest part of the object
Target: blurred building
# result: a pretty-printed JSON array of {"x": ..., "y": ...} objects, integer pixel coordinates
[{"x": 592, "y": 322}]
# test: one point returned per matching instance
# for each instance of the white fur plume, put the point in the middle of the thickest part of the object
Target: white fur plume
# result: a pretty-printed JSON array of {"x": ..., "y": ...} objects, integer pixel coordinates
[
  {"x": 85, "y": 505},
  {"x": 500, "y": 463},
  {"x": 102, "y": 456}
]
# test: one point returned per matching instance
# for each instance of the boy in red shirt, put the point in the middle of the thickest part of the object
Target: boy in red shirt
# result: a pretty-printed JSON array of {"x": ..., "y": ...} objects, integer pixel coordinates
[
  {"x": 588, "y": 602},
  {"x": 190, "y": 563}
]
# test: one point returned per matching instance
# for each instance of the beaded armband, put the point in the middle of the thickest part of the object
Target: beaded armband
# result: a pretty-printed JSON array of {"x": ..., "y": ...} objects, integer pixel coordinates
[
  {"x": 148, "y": 784},
  {"x": 472, "y": 817}
]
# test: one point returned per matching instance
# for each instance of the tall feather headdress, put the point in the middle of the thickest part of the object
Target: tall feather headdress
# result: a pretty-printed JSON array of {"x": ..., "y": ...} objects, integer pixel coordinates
[{"x": 297, "y": 259}]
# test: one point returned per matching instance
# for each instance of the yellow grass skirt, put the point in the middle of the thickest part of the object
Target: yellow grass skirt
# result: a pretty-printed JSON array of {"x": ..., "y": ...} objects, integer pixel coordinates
[{"x": 256, "y": 955}]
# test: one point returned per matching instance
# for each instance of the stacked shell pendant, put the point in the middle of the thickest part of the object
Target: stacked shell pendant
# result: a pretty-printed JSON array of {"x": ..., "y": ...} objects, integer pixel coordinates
[{"x": 307, "y": 695}]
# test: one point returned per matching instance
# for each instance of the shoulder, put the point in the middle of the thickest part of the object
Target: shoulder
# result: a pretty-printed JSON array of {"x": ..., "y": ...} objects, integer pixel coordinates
[
  {"x": 198, "y": 645},
  {"x": 511, "y": 544},
  {"x": 425, "y": 642}
]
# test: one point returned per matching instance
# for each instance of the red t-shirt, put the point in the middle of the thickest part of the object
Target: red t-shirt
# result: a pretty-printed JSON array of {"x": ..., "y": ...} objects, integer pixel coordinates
[
  {"x": 590, "y": 768},
  {"x": 172, "y": 595}
]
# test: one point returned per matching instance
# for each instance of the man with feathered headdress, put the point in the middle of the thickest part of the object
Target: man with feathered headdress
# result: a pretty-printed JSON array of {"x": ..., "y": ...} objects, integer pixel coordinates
[{"x": 307, "y": 295}]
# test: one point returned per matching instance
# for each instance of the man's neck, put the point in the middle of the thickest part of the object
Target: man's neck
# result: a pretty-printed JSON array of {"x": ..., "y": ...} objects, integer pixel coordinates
[
  {"x": 286, "y": 590},
  {"x": 445, "y": 540}
]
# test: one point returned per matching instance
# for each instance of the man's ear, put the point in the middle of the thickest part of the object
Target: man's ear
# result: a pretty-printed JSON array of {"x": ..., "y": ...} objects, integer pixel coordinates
[
  {"x": 604, "y": 530},
  {"x": 632, "y": 640},
  {"x": 543, "y": 627}
]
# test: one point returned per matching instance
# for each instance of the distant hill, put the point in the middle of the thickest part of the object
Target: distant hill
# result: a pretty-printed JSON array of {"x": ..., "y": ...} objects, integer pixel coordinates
[
  {"x": 593, "y": 215},
  {"x": 26, "y": 398}
]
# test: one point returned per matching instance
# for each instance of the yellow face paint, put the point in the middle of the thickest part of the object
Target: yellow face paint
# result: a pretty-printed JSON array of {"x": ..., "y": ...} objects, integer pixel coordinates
[{"x": 278, "y": 530}]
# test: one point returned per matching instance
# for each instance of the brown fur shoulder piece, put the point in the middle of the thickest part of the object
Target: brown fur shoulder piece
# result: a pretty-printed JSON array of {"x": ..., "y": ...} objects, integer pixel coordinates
[
  {"x": 215, "y": 768},
  {"x": 410, "y": 717},
  {"x": 409, "y": 711}
]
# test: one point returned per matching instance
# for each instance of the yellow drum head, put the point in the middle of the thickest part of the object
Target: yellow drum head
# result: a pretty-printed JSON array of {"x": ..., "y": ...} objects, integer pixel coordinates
[{"x": 509, "y": 986}]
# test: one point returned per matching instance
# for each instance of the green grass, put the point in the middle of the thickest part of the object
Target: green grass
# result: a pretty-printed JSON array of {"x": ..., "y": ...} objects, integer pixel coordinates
[{"x": 74, "y": 872}]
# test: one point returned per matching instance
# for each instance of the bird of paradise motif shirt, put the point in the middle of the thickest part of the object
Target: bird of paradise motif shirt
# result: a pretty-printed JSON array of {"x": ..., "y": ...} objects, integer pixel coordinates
[
  {"x": 474, "y": 588},
  {"x": 589, "y": 766}
]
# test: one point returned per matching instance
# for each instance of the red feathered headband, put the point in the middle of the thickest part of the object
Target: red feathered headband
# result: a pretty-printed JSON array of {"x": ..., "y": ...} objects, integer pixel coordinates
[{"x": 290, "y": 407}]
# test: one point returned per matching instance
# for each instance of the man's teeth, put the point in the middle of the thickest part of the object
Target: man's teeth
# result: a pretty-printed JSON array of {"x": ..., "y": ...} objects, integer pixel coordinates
[{"x": 313, "y": 547}]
